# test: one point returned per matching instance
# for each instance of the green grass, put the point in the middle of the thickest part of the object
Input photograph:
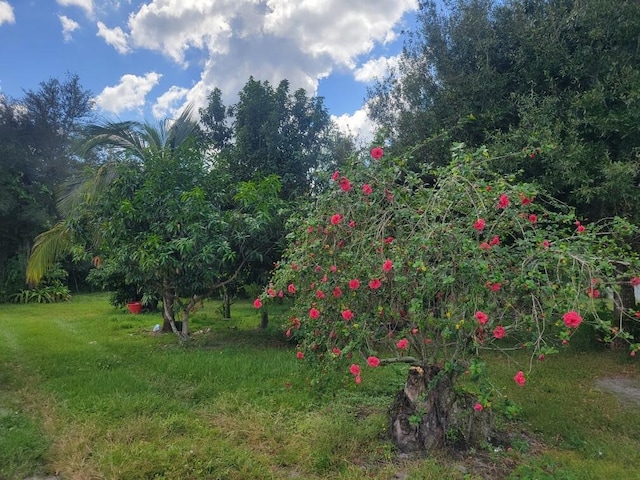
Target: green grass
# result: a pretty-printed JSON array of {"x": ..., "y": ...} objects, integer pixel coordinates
[{"x": 88, "y": 391}]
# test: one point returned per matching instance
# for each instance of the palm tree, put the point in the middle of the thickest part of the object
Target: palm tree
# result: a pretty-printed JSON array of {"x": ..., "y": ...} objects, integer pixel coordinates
[{"x": 125, "y": 140}]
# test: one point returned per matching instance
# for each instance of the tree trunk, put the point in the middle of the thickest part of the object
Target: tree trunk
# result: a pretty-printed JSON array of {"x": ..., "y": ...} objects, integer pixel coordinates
[
  {"x": 264, "y": 318},
  {"x": 226, "y": 306},
  {"x": 167, "y": 313},
  {"x": 428, "y": 414}
]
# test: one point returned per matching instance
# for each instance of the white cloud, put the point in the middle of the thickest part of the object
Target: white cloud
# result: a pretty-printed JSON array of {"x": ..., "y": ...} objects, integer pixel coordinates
[
  {"x": 129, "y": 94},
  {"x": 68, "y": 26},
  {"x": 86, "y": 5},
  {"x": 169, "y": 103},
  {"x": 6, "y": 13},
  {"x": 357, "y": 124},
  {"x": 341, "y": 30},
  {"x": 302, "y": 41},
  {"x": 115, "y": 37},
  {"x": 375, "y": 68}
]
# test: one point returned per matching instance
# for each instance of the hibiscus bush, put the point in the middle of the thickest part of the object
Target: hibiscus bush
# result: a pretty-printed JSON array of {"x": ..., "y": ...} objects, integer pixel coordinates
[{"x": 431, "y": 267}]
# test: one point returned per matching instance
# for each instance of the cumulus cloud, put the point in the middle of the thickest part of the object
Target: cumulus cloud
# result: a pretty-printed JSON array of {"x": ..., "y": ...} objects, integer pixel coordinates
[
  {"x": 169, "y": 103},
  {"x": 129, "y": 94},
  {"x": 115, "y": 37},
  {"x": 358, "y": 125},
  {"x": 6, "y": 13},
  {"x": 86, "y": 5},
  {"x": 302, "y": 41},
  {"x": 375, "y": 68},
  {"x": 68, "y": 26}
]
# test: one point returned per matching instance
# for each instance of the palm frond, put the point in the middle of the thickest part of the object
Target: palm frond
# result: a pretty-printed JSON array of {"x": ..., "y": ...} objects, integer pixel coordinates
[{"x": 48, "y": 248}]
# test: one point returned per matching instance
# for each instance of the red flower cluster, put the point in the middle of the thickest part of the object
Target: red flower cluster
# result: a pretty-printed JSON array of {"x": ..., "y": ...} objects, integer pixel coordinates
[
  {"x": 354, "y": 369},
  {"x": 519, "y": 378},
  {"x": 403, "y": 344},
  {"x": 479, "y": 224},
  {"x": 387, "y": 265},
  {"x": 499, "y": 332}
]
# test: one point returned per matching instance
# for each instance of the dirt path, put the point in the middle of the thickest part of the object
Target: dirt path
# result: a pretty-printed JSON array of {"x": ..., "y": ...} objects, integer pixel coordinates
[{"x": 625, "y": 388}]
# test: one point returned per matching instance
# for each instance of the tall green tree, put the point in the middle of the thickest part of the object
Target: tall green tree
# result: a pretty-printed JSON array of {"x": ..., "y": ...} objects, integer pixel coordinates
[
  {"x": 36, "y": 133},
  {"x": 274, "y": 131},
  {"x": 559, "y": 79},
  {"x": 156, "y": 216}
]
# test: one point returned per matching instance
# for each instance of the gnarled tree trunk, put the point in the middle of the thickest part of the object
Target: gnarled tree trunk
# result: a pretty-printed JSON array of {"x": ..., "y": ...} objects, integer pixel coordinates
[{"x": 428, "y": 414}]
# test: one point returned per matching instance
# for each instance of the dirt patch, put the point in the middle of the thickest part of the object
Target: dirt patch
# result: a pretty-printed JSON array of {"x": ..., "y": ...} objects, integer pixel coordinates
[{"x": 626, "y": 389}]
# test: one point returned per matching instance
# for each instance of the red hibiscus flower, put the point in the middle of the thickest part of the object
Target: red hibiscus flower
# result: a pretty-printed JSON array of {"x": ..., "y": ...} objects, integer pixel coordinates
[
  {"x": 503, "y": 201},
  {"x": 481, "y": 317},
  {"x": 314, "y": 313},
  {"x": 337, "y": 292},
  {"x": 479, "y": 224},
  {"x": 546, "y": 244},
  {"x": 533, "y": 218},
  {"x": 499, "y": 332},
  {"x": 291, "y": 288},
  {"x": 336, "y": 351},
  {"x": 345, "y": 184},
  {"x": 366, "y": 189},
  {"x": 257, "y": 303},
  {"x": 320, "y": 294},
  {"x": 347, "y": 314},
  {"x": 494, "y": 241},
  {"x": 373, "y": 362},
  {"x": 387, "y": 265},
  {"x": 485, "y": 246},
  {"x": 335, "y": 176},
  {"x": 478, "y": 407},
  {"x": 354, "y": 369},
  {"x": 635, "y": 281},
  {"x": 519, "y": 378},
  {"x": 572, "y": 319},
  {"x": 300, "y": 355},
  {"x": 403, "y": 344},
  {"x": 375, "y": 284},
  {"x": 354, "y": 284},
  {"x": 335, "y": 219},
  {"x": 377, "y": 153}
]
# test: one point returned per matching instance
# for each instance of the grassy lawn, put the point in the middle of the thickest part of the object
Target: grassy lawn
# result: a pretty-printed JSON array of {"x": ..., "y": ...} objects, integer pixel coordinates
[{"x": 88, "y": 391}]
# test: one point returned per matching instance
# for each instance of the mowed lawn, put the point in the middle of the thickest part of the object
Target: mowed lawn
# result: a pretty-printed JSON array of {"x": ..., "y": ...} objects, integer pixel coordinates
[{"x": 88, "y": 391}]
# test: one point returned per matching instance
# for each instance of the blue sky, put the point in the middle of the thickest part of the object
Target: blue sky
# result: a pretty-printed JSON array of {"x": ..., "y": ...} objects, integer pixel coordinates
[{"x": 147, "y": 59}]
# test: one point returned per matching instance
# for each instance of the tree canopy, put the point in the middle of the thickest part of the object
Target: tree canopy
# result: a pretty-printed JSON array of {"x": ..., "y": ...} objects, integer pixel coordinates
[{"x": 558, "y": 79}]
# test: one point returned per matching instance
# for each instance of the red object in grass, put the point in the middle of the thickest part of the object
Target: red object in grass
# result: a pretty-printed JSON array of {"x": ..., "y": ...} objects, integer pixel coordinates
[{"x": 134, "y": 307}]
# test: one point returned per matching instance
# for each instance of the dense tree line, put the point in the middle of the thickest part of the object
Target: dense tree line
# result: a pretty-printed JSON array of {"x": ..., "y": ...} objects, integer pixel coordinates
[
  {"x": 557, "y": 79},
  {"x": 36, "y": 133},
  {"x": 178, "y": 211}
]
